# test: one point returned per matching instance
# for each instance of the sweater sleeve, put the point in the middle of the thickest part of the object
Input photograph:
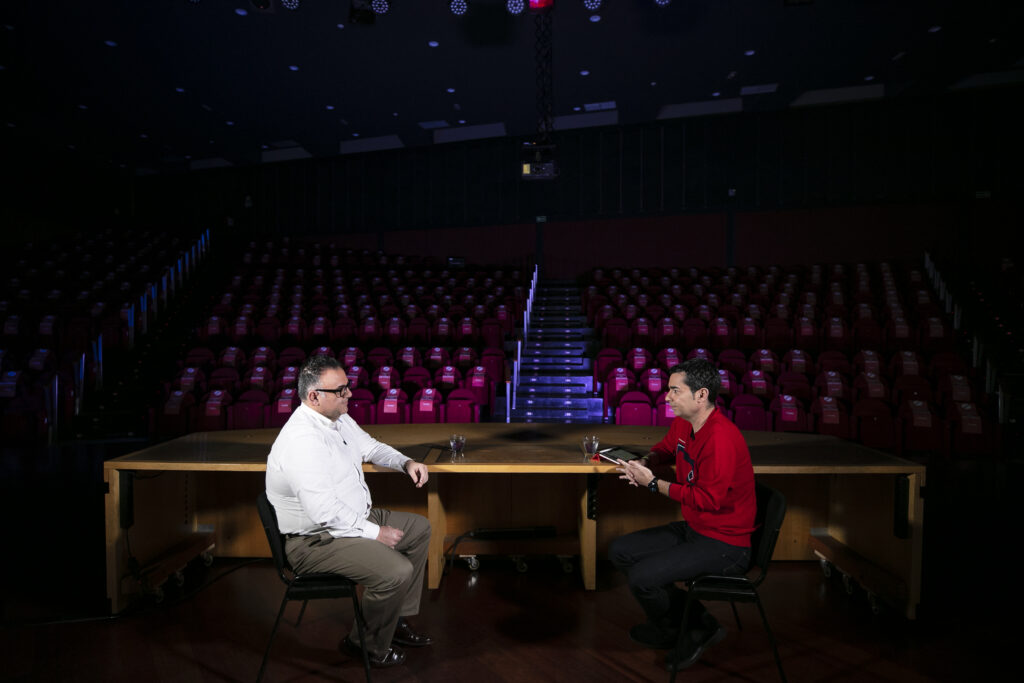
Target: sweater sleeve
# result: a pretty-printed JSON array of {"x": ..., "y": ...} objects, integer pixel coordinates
[{"x": 664, "y": 450}]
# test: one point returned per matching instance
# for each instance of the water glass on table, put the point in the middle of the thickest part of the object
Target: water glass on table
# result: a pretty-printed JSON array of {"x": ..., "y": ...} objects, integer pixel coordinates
[
  {"x": 458, "y": 444},
  {"x": 590, "y": 446}
]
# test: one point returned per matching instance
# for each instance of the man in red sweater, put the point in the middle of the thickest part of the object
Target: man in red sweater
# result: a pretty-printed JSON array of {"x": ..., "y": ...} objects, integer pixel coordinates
[{"x": 714, "y": 486}]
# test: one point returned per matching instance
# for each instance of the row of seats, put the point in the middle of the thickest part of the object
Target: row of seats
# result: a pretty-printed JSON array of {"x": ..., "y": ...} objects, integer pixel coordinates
[
  {"x": 273, "y": 311},
  {"x": 916, "y": 429},
  {"x": 774, "y": 312},
  {"x": 776, "y": 333},
  {"x": 396, "y": 331},
  {"x": 796, "y": 361},
  {"x": 219, "y": 410}
]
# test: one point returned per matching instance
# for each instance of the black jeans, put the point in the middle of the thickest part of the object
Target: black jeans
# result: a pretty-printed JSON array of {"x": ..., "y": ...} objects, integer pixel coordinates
[{"x": 654, "y": 559}]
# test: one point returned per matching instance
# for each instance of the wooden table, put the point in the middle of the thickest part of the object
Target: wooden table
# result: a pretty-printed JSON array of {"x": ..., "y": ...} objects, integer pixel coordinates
[{"x": 853, "y": 506}]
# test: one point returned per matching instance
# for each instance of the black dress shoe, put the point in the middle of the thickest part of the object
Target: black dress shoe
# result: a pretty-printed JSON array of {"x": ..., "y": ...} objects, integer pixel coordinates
[
  {"x": 654, "y": 636},
  {"x": 405, "y": 635},
  {"x": 692, "y": 650},
  {"x": 393, "y": 657}
]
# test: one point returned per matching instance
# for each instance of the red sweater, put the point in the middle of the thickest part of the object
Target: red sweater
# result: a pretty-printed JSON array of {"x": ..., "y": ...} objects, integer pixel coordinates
[{"x": 715, "y": 478}]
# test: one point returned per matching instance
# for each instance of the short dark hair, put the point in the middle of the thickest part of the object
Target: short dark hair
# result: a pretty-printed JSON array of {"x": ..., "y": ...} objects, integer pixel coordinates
[
  {"x": 700, "y": 374},
  {"x": 310, "y": 371}
]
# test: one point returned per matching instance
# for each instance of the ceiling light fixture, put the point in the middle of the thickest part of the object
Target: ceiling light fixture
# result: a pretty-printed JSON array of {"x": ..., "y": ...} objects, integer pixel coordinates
[
  {"x": 515, "y": 7},
  {"x": 458, "y": 7},
  {"x": 662, "y": 3},
  {"x": 290, "y": 4},
  {"x": 592, "y": 4},
  {"x": 380, "y": 6}
]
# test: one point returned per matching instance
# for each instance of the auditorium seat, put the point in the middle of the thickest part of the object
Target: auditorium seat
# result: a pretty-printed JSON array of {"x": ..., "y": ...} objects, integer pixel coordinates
[
  {"x": 436, "y": 357},
  {"x": 748, "y": 412},
  {"x": 427, "y": 407},
  {"x": 447, "y": 378},
  {"x": 798, "y": 360},
  {"x": 478, "y": 382},
  {"x": 246, "y": 414},
  {"x": 638, "y": 359},
  {"x": 281, "y": 408},
  {"x": 634, "y": 408},
  {"x": 362, "y": 406},
  {"x": 618, "y": 382},
  {"x": 758, "y": 384},
  {"x": 873, "y": 424},
  {"x": 733, "y": 360},
  {"x": 462, "y": 406},
  {"x": 831, "y": 417},
  {"x": 385, "y": 378},
  {"x": 766, "y": 361},
  {"x": 604, "y": 361},
  {"x": 212, "y": 413},
  {"x": 654, "y": 382},
  {"x": 662, "y": 414},
  {"x": 920, "y": 429},
  {"x": 870, "y": 385},
  {"x": 393, "y": 407},
  {"x": 788, "y": 414},
  {"x": 669, "y": 357}
]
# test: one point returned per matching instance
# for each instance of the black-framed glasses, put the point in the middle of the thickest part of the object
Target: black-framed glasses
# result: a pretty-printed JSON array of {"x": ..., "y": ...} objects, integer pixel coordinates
[{"x": 340, "y": 391}]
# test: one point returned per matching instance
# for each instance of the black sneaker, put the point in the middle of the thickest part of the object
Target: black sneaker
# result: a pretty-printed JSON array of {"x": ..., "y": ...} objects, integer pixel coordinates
[
  {"x": 694, "y": 645},
  {"x": 654, "y": 636}
]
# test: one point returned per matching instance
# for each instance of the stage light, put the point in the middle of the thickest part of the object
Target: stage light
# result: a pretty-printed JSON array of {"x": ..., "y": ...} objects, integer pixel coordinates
[
  {"x": 541, "y": 5},
  {"x": 592, "y": 5},
  {"x": 458, "y": 7},
  {"x": 380, "y": 6},
  {"x": 662, "y": 3},
  {"x": 515, "y": 7},
  {"x": 290, "y": 4}
]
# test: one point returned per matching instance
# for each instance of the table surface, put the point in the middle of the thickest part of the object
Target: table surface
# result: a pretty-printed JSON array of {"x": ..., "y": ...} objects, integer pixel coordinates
[{"x": 517, "y": 447}]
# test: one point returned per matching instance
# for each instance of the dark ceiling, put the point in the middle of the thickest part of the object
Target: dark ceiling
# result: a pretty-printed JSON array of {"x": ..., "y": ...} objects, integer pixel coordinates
[{"x": 162, "y": 85}]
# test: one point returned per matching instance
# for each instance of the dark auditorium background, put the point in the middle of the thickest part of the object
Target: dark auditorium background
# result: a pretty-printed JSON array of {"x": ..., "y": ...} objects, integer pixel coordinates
[{"x": 149, "y": 148}]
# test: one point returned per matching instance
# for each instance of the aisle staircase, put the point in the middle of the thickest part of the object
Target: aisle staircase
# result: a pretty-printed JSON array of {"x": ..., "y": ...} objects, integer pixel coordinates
[{"x": 555, "y": 377}]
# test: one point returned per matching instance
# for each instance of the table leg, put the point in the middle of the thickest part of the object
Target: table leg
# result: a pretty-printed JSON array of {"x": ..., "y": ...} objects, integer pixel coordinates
[
  {"x": 114, "y": 540},
  {"x": 438, "y": 531},
  {"x": 588, "y": 535}
]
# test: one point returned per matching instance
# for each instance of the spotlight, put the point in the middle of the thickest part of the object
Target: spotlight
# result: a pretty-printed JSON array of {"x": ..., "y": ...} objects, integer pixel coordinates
[
  {"x": 661, "y": 3},
  {"x": 290, "y": 4},
  {"x": 515, "y": 7},
  {"x": 458, "y": 7},
  {"x": 592, "y": 5},
  {"x": 380, "y": 6}
]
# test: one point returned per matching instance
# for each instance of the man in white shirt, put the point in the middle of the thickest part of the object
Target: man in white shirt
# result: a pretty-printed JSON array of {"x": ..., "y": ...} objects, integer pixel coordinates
[{"x": 315, "y": 483}]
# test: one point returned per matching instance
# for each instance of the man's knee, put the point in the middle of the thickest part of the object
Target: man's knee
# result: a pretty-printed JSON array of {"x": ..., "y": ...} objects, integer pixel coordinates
[{"x": 397, "y": 575}]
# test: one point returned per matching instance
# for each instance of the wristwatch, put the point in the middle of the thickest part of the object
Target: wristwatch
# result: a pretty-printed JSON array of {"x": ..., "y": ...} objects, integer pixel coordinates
[{"x": 652, "y": 485}]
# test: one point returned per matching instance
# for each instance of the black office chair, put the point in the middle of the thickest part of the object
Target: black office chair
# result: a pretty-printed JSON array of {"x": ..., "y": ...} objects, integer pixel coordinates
[
  {"x": 771, "y": 509},
  {"x": 303, "y": 587}
]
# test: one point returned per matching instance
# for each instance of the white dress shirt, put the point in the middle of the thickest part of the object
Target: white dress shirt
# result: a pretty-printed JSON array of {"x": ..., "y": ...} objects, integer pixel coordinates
[{"x": 315, "y": 477}]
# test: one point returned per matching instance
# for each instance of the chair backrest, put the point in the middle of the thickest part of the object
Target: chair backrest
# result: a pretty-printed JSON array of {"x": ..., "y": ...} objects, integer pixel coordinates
[
  {"x": 771, "y": 510},
  {"x": 268, "y": 517}
]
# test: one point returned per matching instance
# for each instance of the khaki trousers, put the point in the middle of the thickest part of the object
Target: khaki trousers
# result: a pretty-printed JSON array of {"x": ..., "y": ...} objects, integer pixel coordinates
[{"x": 392, "y": 578}]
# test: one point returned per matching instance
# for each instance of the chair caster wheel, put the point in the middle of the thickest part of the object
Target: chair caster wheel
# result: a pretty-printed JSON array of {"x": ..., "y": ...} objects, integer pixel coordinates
[
  {"x": 848, "y": 584},
  {"x": 521, "y": 566},
  {"x": 473, "y": 562},
  {"x": 826, "y": 568},
  {"x": 875, "y": 603}
]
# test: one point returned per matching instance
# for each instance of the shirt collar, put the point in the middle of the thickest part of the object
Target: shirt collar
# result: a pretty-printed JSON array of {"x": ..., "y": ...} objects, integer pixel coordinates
[{"x": 320, "y": 419}]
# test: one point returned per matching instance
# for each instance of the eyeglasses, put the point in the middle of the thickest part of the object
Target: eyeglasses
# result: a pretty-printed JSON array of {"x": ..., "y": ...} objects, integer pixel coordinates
[{"x": 340, "y": 391}]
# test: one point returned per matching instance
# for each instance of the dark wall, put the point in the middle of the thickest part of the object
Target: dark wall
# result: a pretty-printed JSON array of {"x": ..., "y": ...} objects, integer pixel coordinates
[{"x": 864, "y": 180}]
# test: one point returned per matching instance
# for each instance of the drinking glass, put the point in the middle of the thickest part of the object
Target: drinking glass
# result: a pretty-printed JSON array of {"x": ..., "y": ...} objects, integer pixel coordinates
[
  {"x": 458, "y": 443},
  {"x": 590, "y": 444}
]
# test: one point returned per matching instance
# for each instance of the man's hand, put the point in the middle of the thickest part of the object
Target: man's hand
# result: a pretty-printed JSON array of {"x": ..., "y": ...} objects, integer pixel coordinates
[
  {"x": 635, "y": 473},
  {"x": 417, "y": 471},
  {"x": 390, "y": 536}
]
